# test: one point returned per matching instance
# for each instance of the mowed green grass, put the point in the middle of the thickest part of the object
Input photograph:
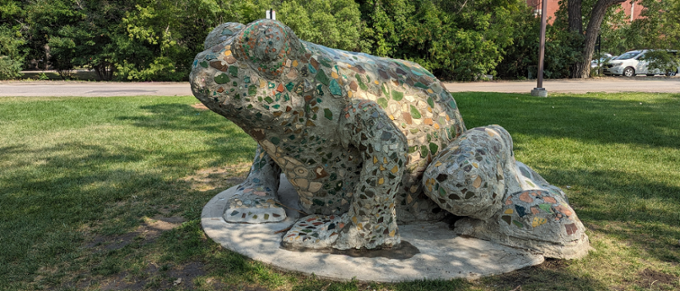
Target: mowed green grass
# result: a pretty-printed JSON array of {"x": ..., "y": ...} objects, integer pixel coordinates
[{"x": 81, "y": 179}]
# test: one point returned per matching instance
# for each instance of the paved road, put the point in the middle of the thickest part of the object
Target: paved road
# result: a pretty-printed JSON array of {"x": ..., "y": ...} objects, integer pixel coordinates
[
  {"x": 605, "y": 84},
  {"x": 92, "y": 89},
  {"x": 107, "y": 89}
]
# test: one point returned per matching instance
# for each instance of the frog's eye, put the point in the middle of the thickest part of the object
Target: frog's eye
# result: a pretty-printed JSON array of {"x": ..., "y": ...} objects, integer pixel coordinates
[
  {"x": 266, "y": 45},
  {"x": 221, "y": 33}
]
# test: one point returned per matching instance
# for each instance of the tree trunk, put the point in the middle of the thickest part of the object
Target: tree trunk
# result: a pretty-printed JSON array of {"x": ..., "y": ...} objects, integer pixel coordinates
[
  {"x": 574, "y": 13},
  {"x": 582, "y": 68}
]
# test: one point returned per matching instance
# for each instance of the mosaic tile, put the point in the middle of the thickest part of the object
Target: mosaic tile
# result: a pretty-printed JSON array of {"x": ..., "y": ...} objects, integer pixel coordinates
[{"x": 366, "y": 141}]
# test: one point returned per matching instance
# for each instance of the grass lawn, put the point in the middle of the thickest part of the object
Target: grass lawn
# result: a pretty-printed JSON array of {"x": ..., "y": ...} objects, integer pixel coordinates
[{"x": 106, "y": 193}]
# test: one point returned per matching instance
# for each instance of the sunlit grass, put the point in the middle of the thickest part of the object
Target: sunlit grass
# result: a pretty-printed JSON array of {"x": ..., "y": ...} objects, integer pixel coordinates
[{"x": 78, "y": 176}]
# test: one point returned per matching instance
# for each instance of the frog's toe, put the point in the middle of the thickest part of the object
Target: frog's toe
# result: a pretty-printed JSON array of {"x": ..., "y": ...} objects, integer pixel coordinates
[
  {"x": 533, "y": 219},
  {"x": 314, "y": 232},
  {"x": 254, "y": 205}
]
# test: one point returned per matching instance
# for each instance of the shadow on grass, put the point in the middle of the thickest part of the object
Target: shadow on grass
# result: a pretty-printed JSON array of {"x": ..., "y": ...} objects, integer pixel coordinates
[
  {"x": 52, "y": 196},
  {"x": 551, "y": 275},
  {"x": 179, "y": 117}
]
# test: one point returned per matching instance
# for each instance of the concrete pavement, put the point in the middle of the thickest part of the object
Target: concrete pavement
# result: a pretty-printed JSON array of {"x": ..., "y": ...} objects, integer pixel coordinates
[
  {"x": 107, "y": 89},
  {"x": 603, "y": 84},
  {"x": 92, "y": 89}
]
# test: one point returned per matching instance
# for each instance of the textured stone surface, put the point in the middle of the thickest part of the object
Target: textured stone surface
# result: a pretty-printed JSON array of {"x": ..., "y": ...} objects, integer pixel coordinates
[
  {"x": 507, "y": 202},
  {"x": 441, "y": 254},
  {"x": 354, "y": 134}
]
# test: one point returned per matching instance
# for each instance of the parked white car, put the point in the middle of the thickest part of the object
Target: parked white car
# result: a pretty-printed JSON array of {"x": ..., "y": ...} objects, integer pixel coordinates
[{"x": 633, "y": 63}]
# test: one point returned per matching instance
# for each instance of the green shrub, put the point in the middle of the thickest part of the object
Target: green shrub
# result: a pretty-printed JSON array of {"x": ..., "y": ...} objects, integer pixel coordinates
[{"x": 11, "y": 58}]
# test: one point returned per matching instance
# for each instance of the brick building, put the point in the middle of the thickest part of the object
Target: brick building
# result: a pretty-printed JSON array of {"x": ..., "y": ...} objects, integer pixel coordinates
[{"x": 631, "y": 8}]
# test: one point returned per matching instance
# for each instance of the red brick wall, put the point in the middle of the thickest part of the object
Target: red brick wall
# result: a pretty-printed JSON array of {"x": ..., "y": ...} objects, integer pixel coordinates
[{"x": 553, "y": 5}]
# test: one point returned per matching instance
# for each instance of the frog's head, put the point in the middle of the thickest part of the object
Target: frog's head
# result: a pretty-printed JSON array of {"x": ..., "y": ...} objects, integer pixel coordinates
[{"x": 239, "y": 64}]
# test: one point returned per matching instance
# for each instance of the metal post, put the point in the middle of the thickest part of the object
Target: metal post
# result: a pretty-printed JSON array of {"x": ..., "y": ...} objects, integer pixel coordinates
[
  {"x": 271, "y": 14},
  {"x": 539, "y": 90}
]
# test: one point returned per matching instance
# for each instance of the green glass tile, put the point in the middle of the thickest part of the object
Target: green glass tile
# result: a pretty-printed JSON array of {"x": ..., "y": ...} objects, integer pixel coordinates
[
  {"x": 275, "y": 140},
  {"x": 268, "y": 100},
  {"x": 233, "y": 71},
  {"x": 204, "y": 64},
  {"x": 222, "y": 79},
  {"x": 252, "y": 90},
  {"x": 290, "y": 86},
  {"x": 325, "y": 62},
  {"x": 518, "y": 224},
  {"x": 433, "y": 148},
  {"x": 424, "y": 151},
  {"x": 545, "y": 207},
  {"x": 328, "y": 114},
  {"x": 321, "y": 77},
  {"x": 430, "y": 102},
  {"x": 397, "y": 96},
  {"x": 414, "y": 112},
  {"x": 382, "y": 102},
  {"x": 361, "y": 83},
  {"x": 421, "y": 85}
]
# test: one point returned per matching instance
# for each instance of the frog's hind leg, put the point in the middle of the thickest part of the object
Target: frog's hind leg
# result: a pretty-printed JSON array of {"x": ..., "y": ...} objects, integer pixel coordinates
[
  {"x": 255, "y": 199},
  {"x": 505, "y": 201}
]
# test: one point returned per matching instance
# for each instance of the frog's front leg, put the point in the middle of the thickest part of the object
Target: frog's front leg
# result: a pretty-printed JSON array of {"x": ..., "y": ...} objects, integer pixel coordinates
[
  {"x": 255, "y": 199},
  {"x": 371, "y": 221}
]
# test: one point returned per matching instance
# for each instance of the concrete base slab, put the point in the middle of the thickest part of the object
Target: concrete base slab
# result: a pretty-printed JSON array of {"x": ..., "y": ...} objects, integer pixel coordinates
[
  {"x": 539, "y": 92},
  {"x": 441, "y": 253}
]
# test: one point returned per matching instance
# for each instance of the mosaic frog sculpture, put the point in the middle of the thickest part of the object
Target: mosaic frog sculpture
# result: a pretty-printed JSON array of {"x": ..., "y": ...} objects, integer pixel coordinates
[{"x": 367, "y": 142}]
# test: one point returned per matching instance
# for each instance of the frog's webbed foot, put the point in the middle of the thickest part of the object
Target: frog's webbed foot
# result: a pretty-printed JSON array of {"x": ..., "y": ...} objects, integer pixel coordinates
[
  {"x": 255, "y": 199},
  {"x": 507, "y": 202},
  {"x": 314, "y": 232}
]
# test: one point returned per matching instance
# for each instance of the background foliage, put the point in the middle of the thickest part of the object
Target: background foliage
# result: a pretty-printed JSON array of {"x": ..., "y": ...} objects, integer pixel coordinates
[{"x": 145, "y": 40}]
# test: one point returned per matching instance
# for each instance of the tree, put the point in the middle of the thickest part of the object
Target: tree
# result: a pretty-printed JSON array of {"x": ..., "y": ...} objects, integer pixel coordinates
[
  {"x": 597, "y": 14},
  {"x": 11, "y": 58}
]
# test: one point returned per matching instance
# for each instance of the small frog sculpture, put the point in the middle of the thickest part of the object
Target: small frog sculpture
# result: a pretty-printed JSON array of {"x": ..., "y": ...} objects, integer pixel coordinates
[{"x": 369, "y": 142}]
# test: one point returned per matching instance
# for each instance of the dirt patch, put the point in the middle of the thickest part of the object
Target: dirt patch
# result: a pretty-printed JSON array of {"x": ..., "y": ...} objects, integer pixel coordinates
[
  {"x": 544, "y": 274},
  {"x": 164, "y": 278},
  {"x": 553, "y": 265},
  {"x": 655, "y": 280},
  {"x": 218, "y": 177},
  {"x": 148, "y": 232},
  {"x": 199, "y": 106}
]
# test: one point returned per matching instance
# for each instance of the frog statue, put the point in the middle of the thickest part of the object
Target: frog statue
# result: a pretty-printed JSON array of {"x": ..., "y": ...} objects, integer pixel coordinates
[{"x": 369, "y": 142}]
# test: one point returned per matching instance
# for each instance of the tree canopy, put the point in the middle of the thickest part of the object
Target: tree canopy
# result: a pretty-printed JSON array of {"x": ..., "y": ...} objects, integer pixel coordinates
[{"x": 142, "y": 40}]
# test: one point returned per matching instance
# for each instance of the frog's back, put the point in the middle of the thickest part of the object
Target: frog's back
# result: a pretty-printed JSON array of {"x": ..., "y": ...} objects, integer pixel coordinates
[{"x": 414, "y": 100}]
